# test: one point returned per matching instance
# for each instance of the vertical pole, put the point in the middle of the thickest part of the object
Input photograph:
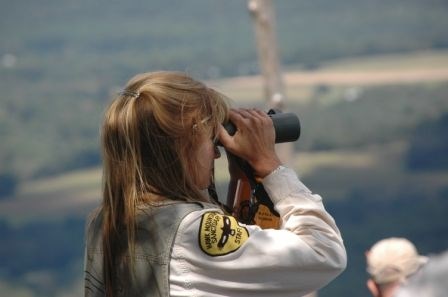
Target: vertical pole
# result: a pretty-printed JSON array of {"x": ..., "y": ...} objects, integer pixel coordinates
[{"x": 263, "y": 16}]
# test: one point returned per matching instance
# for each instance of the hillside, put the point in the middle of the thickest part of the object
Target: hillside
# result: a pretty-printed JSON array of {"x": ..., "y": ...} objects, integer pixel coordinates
[
  {"x": 384, "y": 112},
  {"x": 368, "y": 79},
  {"x": 61, "y": 61},
  {"x": 355, "y": 151}
]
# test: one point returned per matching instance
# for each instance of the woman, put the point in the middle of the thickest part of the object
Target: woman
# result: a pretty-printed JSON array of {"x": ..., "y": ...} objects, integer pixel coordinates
[{"x": 157, "y": 232}]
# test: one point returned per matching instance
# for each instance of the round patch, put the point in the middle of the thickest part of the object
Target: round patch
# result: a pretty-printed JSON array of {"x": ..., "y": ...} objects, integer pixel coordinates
[{"x": 220, "y": 235}]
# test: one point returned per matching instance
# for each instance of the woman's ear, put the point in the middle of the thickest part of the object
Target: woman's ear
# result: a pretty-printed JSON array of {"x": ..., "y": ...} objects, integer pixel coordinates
[{"x": 373, "y": 288}]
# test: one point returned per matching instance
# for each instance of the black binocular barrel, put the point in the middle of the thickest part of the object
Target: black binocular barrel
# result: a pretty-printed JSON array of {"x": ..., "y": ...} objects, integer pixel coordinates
[{"x": 287, "y": 127}]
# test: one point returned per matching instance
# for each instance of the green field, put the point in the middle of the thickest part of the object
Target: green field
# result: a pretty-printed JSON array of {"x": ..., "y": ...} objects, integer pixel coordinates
[
  {"x": 430, "y": 59},
  {"x": 368, "y": 79},
  {"x": 315, "y": 105}
]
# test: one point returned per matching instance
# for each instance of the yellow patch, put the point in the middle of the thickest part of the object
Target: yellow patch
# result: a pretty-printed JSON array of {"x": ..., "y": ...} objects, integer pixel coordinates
[{"x": 220, "y": 235}]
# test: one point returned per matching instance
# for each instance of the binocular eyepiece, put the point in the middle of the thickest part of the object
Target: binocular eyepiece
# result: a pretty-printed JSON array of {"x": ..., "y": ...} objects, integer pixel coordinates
[{"x": 286, "y": 125}]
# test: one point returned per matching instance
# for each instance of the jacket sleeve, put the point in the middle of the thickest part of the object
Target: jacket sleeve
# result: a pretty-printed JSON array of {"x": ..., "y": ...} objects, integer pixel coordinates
[{"x": 213, "y": 255}]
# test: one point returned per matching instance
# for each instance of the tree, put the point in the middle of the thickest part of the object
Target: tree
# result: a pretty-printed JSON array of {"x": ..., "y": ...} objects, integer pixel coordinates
[
  {"x": 8, "y": 185},
  {"x": 428, "y": 148}
]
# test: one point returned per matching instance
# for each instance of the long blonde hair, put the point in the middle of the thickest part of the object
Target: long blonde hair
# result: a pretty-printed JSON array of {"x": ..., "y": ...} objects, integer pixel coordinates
[{"x": 148, "y": 141}]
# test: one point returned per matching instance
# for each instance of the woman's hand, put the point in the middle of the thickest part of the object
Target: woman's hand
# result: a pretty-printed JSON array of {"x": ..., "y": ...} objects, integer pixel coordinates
[{"x": 253, "y": 141}]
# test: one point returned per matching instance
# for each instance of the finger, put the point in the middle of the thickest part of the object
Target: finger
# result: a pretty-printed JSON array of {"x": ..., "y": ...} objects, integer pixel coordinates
[
  {"x": 244, "y": 112},
  {"x": 257, "y": 117},
  {"x": 224, "y": 138},
  {"x": 260, "y": 113},
  {"x": 238, "y": 117},
  {"x": 263, "y": 118},
  {"x": 257, "y": 113}
]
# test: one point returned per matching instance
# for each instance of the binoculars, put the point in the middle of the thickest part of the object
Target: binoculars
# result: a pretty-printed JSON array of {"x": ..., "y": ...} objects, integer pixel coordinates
[
  {"x": 287, "y": 129},
  {"x": 286, "y": 125}
]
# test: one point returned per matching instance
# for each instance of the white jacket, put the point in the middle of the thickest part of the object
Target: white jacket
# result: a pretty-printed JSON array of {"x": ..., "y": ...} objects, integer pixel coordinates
[{"x": 213, "y": 255}]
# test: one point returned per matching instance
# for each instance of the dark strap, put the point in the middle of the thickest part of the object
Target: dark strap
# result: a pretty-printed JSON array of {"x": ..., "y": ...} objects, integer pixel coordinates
[{"x": 258, "y": 190}]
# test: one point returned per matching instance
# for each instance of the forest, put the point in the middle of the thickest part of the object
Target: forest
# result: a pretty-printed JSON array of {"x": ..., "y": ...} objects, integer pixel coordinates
[{"x": 377, "y": 153}]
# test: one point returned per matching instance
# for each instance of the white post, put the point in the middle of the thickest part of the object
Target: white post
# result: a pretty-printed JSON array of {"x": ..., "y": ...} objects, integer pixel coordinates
[{"x": 263, "y": 16}]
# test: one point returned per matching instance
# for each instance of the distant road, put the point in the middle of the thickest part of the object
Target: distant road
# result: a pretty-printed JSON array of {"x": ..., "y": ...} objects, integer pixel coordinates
[
  {"x": 371, "y": 77},
  {"x": 349, "y": 77}
]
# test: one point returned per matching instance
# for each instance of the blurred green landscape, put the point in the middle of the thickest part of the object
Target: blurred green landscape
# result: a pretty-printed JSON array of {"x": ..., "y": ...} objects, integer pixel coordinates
[{"x": 368, "y": 79}]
